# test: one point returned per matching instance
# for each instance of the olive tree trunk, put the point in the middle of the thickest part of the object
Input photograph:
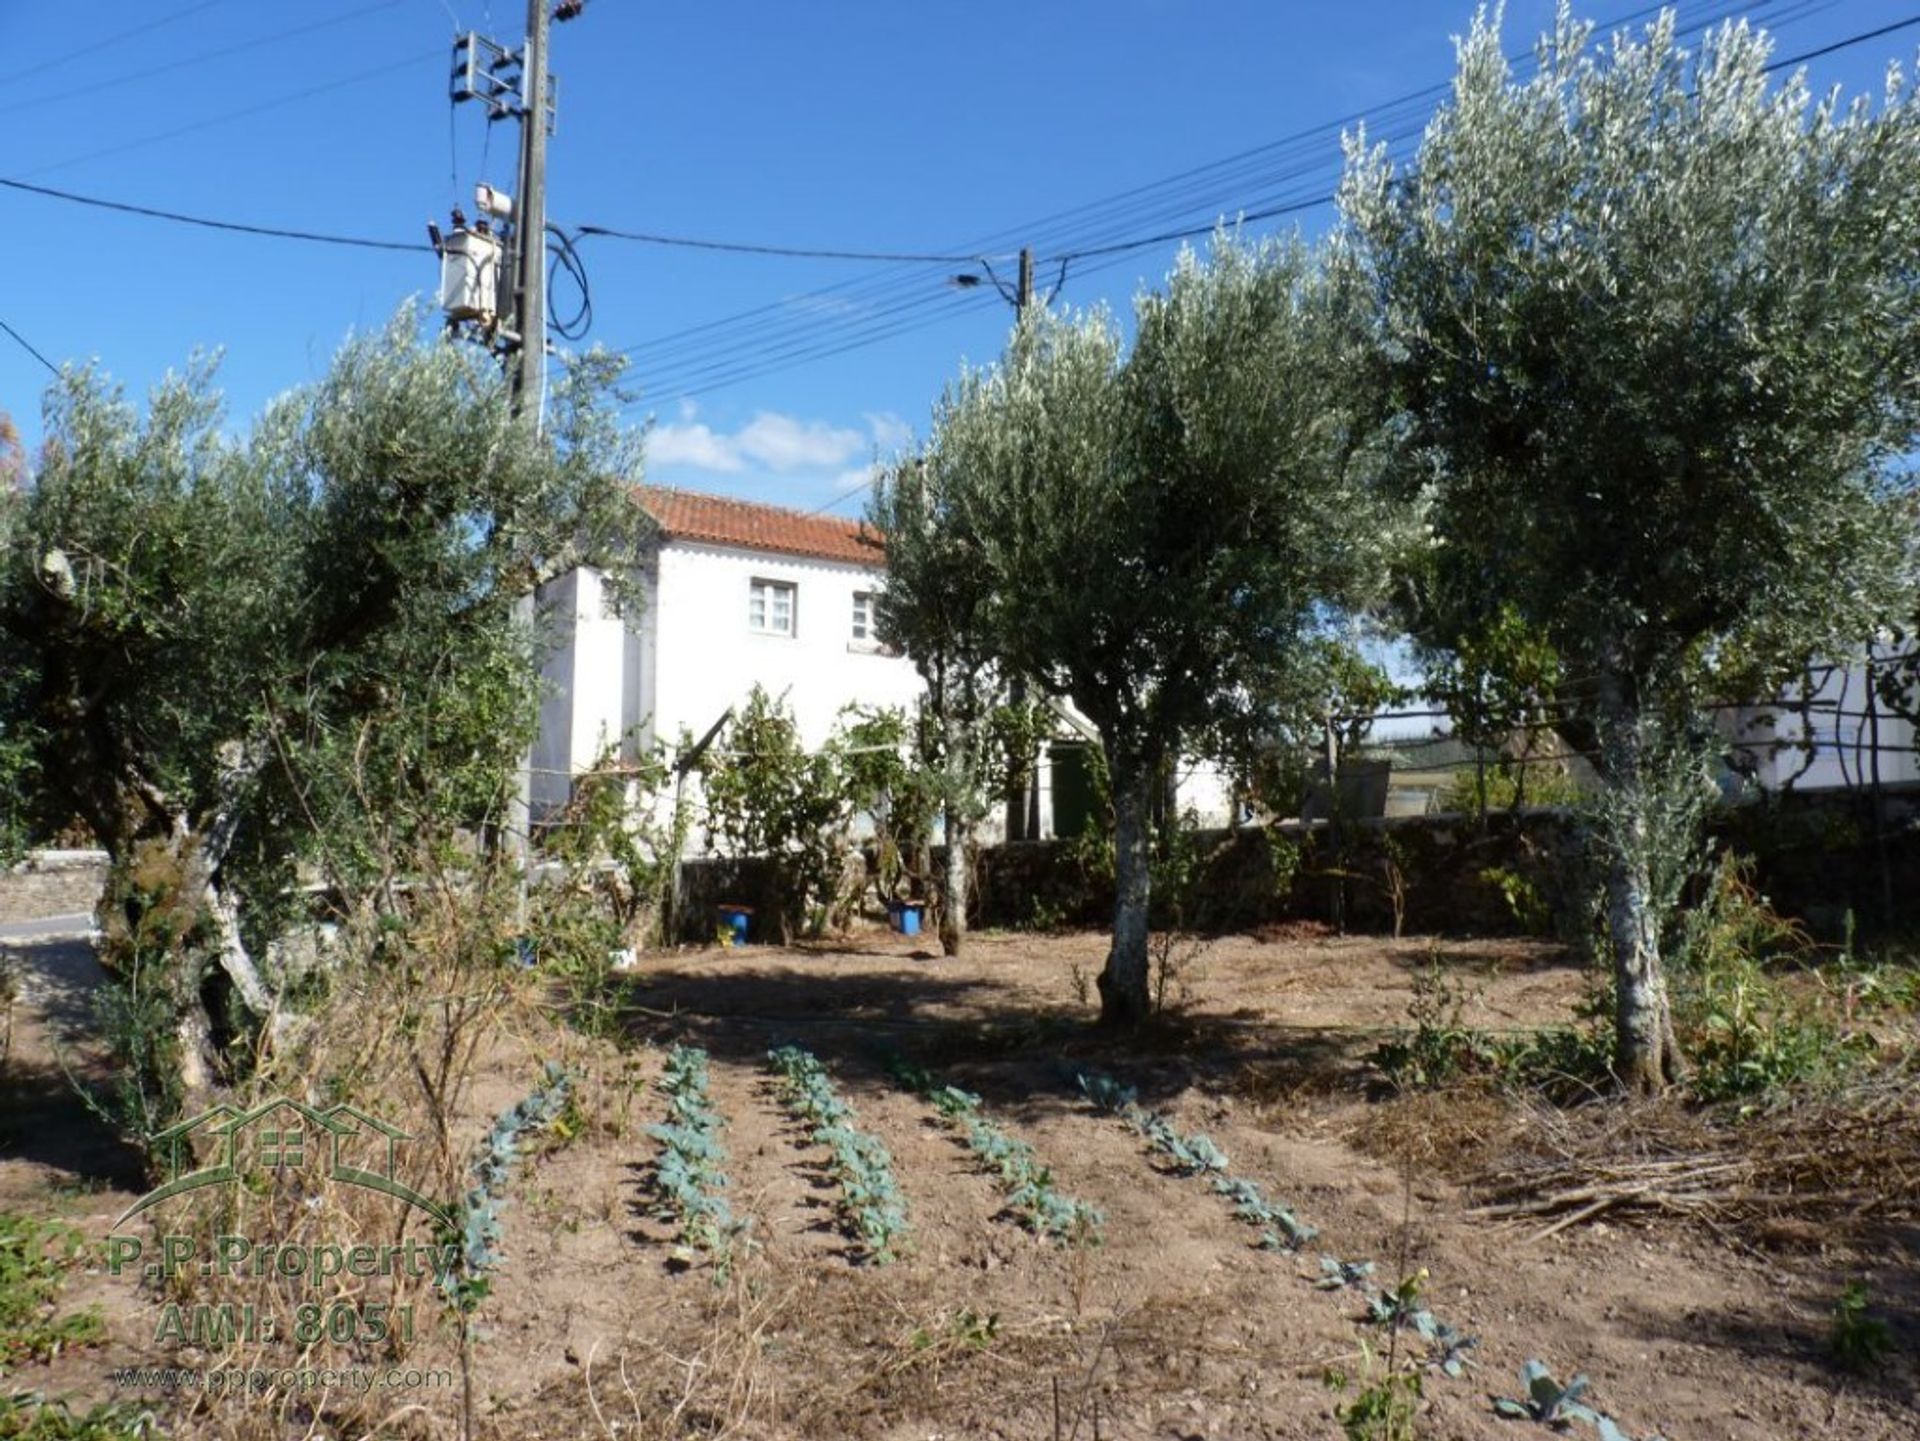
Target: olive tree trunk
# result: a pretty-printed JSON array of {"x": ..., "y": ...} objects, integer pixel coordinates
[
  {"x": 1646, "y": 1055},
  {"x": 953, "y": 884},
  {"x": 1124, "y": 997},
  {"x": 1644, "y": 829}
]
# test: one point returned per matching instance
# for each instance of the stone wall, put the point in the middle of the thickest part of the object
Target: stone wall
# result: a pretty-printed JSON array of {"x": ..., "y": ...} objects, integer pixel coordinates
[{"x": 52, "y": 883}]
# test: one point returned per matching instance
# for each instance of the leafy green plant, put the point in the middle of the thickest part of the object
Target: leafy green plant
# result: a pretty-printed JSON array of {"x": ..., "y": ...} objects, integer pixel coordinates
[
  {"x": 689, "y": 1173},
  {"x": 29, "y": 1416},
  {"x": 1749, "y": 1036},
  {"x": 870, "y": 1204},
  {"x": 1439, "y": 1049},
  {"x": 1548, "y": 1403},
  {"x": 1858, "y": 1341},
  {"x": 1522, "y": 898},
  {"x": 1028, "y": 1185},
  {"x": 617, "y": 848},
  {"x": 768, "y": 796},
  {"x": 1337, "y": 1275},
  {"x": 35, "y": 1257},
  {"x": 476, "y": 1236},
  {"x": 1384, "y": 1408},
  {"x": 1197, "y": 1155}
]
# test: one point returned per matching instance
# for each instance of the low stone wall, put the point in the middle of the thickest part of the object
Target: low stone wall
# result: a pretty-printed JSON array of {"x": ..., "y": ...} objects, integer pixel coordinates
[
  {"x": 1820, "y": 858},
  {"x": 1440, "y": 873},
  {"x": 52, "y": 883}
]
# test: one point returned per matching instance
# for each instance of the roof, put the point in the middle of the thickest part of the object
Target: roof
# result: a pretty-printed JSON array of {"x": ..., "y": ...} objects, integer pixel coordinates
[{"x": 722, "y": 520}]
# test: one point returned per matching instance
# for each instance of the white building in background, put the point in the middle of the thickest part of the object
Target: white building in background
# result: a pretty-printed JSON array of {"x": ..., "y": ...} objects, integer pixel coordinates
[
  {"x": 734, "y": 594},
  {"x": 731, "y": 594},
  {"x": 1831, "y": 731}
]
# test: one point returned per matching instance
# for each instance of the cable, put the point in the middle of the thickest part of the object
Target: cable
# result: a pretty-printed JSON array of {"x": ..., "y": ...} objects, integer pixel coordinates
[
  {"x": 563, "y": 256},
  {"x": 745, "y": 248},
  {"x": 733, "y": 348},
  {"x": 244, "y": 112},
  {"x": 1805, "y": 55},
  {"x": 28, "y": 346},
  {"x": 119, "y": 35},
  {"x": 207, "y": 223},
  {"x": 147, "y": 72},
  {"x": 1294, "y": 209},
  {"x": 729, "y": 362}
]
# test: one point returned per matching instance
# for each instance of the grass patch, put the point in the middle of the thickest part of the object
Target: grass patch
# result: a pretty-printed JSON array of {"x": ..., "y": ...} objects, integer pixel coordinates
[{"x": 34, "y": 1259}]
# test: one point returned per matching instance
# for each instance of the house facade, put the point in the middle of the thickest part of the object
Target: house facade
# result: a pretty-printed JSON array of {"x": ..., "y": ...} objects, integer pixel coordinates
[{"x": 733, "y": 594}]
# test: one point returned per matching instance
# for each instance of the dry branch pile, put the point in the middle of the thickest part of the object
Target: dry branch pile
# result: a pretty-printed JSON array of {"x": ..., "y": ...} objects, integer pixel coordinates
[{"x": 1848, "y": 1159}]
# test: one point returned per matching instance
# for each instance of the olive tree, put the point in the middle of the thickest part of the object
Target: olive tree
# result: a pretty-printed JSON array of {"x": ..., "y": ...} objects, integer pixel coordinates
[
  {"x": 935, "y": 609},
  {"x": 1648, "y": 322},
  {"x": 247, "y": 659},
  {"x": 1155, "y": 530}
]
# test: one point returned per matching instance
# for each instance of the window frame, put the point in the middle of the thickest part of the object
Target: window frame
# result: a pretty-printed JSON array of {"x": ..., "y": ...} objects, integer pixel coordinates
[{"x": 763, "y": 590}]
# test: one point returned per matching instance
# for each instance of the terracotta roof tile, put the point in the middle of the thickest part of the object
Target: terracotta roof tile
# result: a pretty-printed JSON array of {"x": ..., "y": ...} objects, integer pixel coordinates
[{"x": 722, "y": 520}]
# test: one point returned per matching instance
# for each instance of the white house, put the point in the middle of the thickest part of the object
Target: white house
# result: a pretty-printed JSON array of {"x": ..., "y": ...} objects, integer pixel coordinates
[{"x": 734, "y": 594}]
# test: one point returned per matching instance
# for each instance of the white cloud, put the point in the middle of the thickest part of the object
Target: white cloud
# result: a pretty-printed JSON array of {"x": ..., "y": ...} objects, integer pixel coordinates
[
  {"x": 771, "y": 441},
  {"x": 781, "y": 442},
  {"x": 691, "y": 444}
]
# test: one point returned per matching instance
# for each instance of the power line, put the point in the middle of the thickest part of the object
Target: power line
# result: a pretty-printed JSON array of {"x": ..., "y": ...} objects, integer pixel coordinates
[
  {"x": 745, "y": 248},
  {"x": 770, "y": 337},
  {"x": 147, "y": 72},
  {"x": 29, "y": 347},
  {"x": 739, "y": 347},
  {"x": 1194, "y": 232},
  {"x": 209, "y": 223},
  {"x": 1851, "y": 40},
  {"x": 119, "y": 35},
  {"x": 290, "y": 98}
]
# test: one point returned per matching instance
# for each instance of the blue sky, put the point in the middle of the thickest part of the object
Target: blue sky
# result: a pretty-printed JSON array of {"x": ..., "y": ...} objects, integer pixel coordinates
[{"x": 844, "y": 124}]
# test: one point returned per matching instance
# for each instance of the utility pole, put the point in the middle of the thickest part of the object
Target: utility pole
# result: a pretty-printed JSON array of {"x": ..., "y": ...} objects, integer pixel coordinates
[
  {"x": 1023, "y": 804},
  {"x": 530, "y": 226},
  {"x": 509, "y": 312}
]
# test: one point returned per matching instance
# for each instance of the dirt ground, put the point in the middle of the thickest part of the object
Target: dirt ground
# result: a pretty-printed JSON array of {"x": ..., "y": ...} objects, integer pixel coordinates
[{"x": 1177, "y": 1326}]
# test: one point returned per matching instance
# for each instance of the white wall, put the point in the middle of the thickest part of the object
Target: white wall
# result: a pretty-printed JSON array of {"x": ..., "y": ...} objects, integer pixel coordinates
[
  {"x": 590, "y": 678},
  {"x": 1841, "y": 732},
  {"x": 707, "y": 658},
  {"x": 689, "y": 654}
]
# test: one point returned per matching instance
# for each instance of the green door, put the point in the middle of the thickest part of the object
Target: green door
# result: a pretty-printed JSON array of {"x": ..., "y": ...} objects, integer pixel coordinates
[{"x": 1073, "y": 798}]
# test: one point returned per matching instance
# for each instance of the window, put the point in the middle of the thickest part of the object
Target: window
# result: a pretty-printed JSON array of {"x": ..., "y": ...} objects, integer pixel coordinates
[
  {"x": 863, "y": 615},
  {"x": 770, "y": 607}
]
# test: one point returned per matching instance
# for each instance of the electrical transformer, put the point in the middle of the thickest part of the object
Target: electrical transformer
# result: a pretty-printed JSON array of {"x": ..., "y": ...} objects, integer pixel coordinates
[{"x": 470, "y": 276}]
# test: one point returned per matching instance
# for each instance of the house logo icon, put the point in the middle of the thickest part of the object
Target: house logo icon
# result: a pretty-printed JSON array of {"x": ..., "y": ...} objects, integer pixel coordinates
[{"x": 284, "y": 1135}]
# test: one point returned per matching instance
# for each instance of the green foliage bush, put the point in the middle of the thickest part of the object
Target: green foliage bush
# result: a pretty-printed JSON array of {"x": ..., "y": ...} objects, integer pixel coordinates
[
  {"x": 767, "y": 795},
  {"x": 28, "y": 1416},
  {"x": 1749, "y": 1034},
  {"x": 1858, "y": 1341}
]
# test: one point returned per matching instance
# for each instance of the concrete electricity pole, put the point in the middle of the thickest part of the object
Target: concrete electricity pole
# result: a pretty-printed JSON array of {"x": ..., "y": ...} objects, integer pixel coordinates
[
  {"x": 530, "y": 226},
  {"x": 509, "y": 312}
]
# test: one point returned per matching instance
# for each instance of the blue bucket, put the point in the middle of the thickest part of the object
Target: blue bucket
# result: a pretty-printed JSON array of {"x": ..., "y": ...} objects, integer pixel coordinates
[
  {"x": 906, "y": 917},
  {"x": 736, "y": 920}
]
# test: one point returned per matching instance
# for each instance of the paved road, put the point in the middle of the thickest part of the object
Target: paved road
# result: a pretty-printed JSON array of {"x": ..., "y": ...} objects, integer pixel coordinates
[{"x": 46, "y": 927}]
